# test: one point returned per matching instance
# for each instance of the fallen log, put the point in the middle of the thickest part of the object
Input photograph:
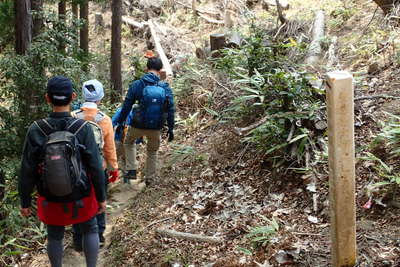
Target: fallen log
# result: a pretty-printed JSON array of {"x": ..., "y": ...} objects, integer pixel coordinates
[
  {"x": 188, "y": 236},
  {"x": 210, "y": 20},
  {"x": 198, "y": 10},
  {"x": 160, "y": 50},
  {"x": 315, "y": 49},
  {"x": 246, "y": 130},
  {"x": 133, "y": 23},
  {"x": 160, "y": 28},
  {"x": 234, "y": 40}
]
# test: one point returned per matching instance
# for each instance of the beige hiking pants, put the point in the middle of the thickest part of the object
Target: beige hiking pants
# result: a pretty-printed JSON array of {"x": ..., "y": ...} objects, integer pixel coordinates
[
  {"x": 153, "y": 144},
  {"x": 121, "y": 155}
]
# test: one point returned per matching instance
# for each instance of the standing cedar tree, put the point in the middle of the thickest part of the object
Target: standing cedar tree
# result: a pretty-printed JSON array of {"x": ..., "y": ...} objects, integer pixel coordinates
[{"x": 116, "y": 79}]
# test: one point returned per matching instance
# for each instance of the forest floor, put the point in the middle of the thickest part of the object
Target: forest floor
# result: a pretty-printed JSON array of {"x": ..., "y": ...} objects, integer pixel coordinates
[{"x": 214, "y": 185}]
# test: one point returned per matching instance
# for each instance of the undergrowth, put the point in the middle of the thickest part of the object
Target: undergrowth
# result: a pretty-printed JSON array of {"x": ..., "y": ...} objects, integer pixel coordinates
[
  {"x": 274, "y": 89},
  {"x": 382, "y": 157}
]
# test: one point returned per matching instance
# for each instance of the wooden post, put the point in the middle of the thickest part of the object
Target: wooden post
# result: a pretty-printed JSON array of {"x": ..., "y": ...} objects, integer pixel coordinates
[{"x": 340, "y": 98}]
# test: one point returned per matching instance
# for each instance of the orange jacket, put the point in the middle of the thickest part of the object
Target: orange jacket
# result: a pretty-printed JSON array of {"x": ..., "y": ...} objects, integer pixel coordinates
[{"x": 90, "y": 111}]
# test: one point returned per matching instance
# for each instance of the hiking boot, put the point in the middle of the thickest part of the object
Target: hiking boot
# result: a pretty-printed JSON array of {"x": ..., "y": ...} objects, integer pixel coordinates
[
  {"x": 102, "y": 240},
  {"x": 130, "y": 175}
]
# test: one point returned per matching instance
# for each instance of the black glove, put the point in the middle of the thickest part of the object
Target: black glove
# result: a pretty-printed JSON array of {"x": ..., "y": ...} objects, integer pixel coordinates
[
  {"x": 119, "y": 129},
  {"x": 170, "y": 135}
]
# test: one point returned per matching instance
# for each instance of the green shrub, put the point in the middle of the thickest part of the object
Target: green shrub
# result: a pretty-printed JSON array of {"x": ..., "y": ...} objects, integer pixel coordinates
[
  {"x": 272, "y": 86},
  {"x": 6, "y": 23}
]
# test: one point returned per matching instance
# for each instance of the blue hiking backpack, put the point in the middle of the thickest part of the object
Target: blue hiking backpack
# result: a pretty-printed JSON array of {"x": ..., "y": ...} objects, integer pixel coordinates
[{"x": 152, "y": 108}]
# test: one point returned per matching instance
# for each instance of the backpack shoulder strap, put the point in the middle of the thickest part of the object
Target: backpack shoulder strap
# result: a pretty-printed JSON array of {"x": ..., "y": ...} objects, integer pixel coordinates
[
  {"x": 99, "y": 117},
  {"x": 76, "y": 125},
  {"x": 78, "y": 114},
  {"x": 44, "y": 127}
]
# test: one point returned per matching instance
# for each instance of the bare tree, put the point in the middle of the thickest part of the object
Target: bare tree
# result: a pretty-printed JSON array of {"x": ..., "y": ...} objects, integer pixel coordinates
[
  {"x": 23, "y": 26},
  {"x": 75, "y": 15},
  {"x": 84, "y": 32},
  {"x": 37, "y": 21},
  {"x": 387, "y": 5},
  {"x": 116, "y": 78},
  {"x": 62, "y": 10}
]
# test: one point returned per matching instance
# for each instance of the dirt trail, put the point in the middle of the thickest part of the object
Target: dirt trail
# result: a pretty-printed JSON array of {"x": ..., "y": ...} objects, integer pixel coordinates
[{"x": 120, "y": 194}]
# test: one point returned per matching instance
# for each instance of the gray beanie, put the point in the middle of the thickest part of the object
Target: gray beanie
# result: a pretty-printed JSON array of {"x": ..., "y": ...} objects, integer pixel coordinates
[{"x": 92, "y": 90}]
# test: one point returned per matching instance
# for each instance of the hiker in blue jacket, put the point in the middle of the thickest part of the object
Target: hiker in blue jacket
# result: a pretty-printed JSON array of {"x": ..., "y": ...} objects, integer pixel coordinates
[
  {"x": 119, "y": 138},
  {"x": 156, "y": 104}
]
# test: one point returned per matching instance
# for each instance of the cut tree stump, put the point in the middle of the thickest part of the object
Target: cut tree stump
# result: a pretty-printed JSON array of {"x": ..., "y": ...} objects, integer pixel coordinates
[
  {"x": 98, "y": 20},
  {"x": 314, "y": 52},
  {"x": 188, "y": 236},
  {"x": 340, "y": 103},
  {"x": 203, "y": 53},
  {"x": 234, "y": 40},
  {"x": 217, "y": 42},
  {"x": 228, "y": 19}
]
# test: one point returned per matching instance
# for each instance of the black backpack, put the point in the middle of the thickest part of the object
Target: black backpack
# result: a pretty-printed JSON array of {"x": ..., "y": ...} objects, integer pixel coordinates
[{"x": 62, "y": 176}]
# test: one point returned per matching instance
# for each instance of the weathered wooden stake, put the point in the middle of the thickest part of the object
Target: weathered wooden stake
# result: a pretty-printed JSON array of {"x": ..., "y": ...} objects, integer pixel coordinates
[{"x": 340, "y": 98}]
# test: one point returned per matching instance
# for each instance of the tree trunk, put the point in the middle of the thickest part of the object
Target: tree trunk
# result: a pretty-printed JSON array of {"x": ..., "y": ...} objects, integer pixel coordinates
[
  {"x": 75, "y": 9},
  {"x": 84, "y": 32},
  {"x": 34, "y": 98},
  {"x": 116, "y": 79},
  {"x": 3, "y": 183},
  {"x": 62, "y": 10},
  {"x": 387, "y": 5},
  {"x": 23, "y": 26},
  {"x": 75, "y": 16},
  {"x": 37, "y": 6}
]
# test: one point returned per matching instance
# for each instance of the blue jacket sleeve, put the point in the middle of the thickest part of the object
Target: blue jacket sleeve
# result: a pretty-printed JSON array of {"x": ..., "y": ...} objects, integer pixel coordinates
[
  {"x": 130, "y": 99},
  {"x": 116, "y": 116}
]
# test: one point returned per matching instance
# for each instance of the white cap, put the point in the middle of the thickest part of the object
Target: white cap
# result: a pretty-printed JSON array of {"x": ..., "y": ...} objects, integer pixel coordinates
[{"x": 92, "y": 91}]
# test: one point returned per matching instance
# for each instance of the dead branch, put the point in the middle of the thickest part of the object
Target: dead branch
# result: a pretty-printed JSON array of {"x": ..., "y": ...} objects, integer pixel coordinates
[
  {"x": 315, "y": 49},
  {"x": 160, "y": 50},
  {"x": 332, "y": 58},
  {"x": 283, "y": 3},
  {"x": 160, "y": 28},
  {"x": 246, "y": 130},
  {"x": 151, "y": 224},
  {"x": 133, "y": 23},
  {"x": 375, "y": 96},
  {"x": 198, "y": 10},
  {"x": 210, "y": 20},
  {"x": 188, "y": 236}
]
